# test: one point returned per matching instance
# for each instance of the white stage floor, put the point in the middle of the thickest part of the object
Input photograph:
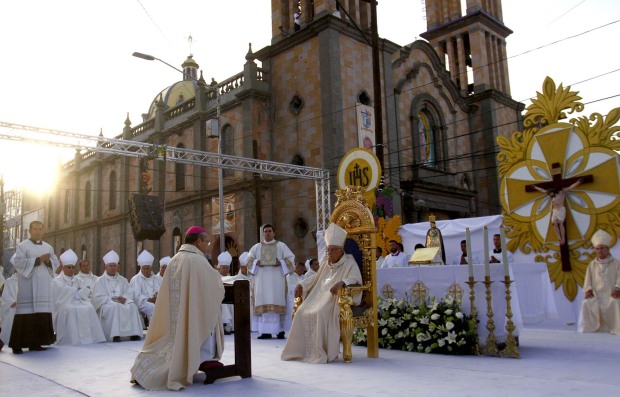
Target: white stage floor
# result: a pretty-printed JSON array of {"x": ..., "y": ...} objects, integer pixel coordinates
[{"x": 554, "y": 363}]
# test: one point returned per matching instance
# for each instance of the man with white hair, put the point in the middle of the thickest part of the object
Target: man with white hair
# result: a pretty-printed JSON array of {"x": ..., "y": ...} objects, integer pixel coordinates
[
  {"x": 113, "y": 299},
  {"x": 163, "y": 265},
  {"x": 145, "y": 285},
  {"x": 75, "y": 319},
  {"x": 315, "y": 334},
  {"x": 600, "y": 310}
]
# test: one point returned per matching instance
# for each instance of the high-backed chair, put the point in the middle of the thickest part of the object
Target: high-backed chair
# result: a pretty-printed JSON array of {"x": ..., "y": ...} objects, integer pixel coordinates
[{"x": 351, "y": 213}]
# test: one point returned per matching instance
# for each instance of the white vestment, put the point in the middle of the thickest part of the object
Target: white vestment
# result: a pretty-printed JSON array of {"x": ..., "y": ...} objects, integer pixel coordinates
[
  {"x": 399, "y": 260},
  {"x": 250, "y": 278},
  {"x": 143, "y": 289},
  {"x": 7, "y": 308},
  {"x": 602, "y": 312},
  {"x": 87, "y": 281},
  {"x": 276, "y": 261},
  {"x": 34, "y": 293},
  {"x": 117, "y": 319},
  {"x": 74, "y": 317},
  {"x": 291, "y": 282},
  {"x": 315, "y": 335},
  {"x": 499, "y": 256}
]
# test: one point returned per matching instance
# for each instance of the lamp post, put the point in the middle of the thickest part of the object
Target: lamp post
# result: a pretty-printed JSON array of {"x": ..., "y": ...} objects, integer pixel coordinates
[{"x": 220, "y": 174}]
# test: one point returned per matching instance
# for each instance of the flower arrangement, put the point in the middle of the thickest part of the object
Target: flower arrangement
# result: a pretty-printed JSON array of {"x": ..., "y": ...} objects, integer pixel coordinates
[{"x": 427, "y": 326}]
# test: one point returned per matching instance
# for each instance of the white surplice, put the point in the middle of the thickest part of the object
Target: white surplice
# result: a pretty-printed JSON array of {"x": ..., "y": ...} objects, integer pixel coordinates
[
  {"x": 276, "y": 261},
  {"x": 34, "y": 293},
  {"x": 143, "y": 289},
  {"x": 74, "y": 317},
  {"x": 87, "y": 281},
  {"x": 8, "y": 307},
  {"x": 117, "y": 319}
]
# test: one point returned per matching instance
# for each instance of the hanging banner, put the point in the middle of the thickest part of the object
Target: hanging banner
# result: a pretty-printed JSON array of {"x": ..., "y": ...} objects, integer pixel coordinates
[
  {"x": 366, "y": 126},
  {"x": 359, "y": 167}
]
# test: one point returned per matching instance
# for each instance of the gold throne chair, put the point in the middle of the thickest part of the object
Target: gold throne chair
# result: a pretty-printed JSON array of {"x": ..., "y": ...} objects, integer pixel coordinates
[{"x": 351, "y": 213}]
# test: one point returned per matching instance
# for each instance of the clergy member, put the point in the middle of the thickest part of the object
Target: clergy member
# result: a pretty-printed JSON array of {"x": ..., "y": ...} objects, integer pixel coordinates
[
  {"x": 270, "y": 261},
  {"x": 244, "y": 274},
  {"x": 600, "y": 310},
  {"x": 113, "y": 299},
  {"x": 495, "y": 255},
  {"x": 312, "y": 266},
  {"x": 36, "y": 264},
  {"x": 291, "y": 282},
  {"x": 396, "y": 258},
  {"x": 75, "y": 319},
  {"x": 163, "y": 264},
  {"x": 145, "y": 285},
  {"x": 315, "y": 334},
  {"x": 8, "y": 304},
  {"x": 228, "y": 310},
  {"x": 85, "y": 278},
  {"x": 186, "y": 334}
]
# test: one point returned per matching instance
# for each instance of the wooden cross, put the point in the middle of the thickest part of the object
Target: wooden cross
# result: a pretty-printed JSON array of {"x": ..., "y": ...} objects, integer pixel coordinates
[{"x": 556, "y": 185}]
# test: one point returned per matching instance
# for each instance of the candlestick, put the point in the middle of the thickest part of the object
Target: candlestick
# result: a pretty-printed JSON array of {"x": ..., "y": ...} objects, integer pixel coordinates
[
  {"x": 474, "y": 313},
  {"x": 487, "y": 268},
  {"x": 502, "y": 237},
  {"x": 511, "y": 349},
  {"x": 470, "y": 263}
]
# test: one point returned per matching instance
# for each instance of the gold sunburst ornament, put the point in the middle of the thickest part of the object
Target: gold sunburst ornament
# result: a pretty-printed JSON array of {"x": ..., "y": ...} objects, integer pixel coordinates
[{"x": 576, "y": 161}]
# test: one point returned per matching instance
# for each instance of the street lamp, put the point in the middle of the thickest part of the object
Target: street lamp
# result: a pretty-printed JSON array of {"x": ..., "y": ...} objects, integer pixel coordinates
[{"x": 220, "y": 174}]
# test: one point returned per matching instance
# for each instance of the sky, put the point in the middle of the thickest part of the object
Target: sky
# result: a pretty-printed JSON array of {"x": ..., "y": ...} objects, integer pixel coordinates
[{"x": 67, "y": 64}]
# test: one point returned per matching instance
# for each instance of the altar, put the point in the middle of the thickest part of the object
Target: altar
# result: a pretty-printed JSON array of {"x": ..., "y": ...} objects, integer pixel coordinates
[{"x": 399, "y": 282}]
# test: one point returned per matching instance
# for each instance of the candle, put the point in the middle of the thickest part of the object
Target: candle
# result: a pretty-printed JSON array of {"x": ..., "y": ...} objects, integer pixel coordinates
[
  {"x": 470, "y": 264},
  {"x": 487, "y": 268},
  {"x": 502, "y": 236}
]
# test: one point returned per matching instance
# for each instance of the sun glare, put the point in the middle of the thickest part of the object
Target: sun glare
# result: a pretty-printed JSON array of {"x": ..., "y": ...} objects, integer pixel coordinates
[{"x": 29, "y": 167}]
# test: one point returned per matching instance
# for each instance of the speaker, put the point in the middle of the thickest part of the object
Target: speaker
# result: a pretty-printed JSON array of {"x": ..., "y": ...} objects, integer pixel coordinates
[{"x": 145, "y": 216}]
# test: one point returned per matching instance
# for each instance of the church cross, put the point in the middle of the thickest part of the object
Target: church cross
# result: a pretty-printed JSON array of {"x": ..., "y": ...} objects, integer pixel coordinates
[
  {"x": 557, "y": 186},
  {"x": 418, "y": 290},
  {"x": 456, "y": 291}
]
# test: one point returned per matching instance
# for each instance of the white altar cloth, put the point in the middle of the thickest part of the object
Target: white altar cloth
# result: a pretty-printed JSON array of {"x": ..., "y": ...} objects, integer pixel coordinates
[
  {"x": 535, "y": 290},
  {"x": 438, "y": 280}
]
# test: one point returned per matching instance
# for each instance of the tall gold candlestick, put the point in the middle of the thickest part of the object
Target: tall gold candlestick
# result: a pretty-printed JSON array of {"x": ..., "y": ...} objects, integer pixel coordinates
[
  {"x": 511, "y": 349},
  {"x": 490, "y": 347},
  {"x": 474, "y": 314}
]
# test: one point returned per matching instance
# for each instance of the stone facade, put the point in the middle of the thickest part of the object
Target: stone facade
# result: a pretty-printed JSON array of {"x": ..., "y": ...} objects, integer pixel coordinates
[{"x": 441, "y": 115}]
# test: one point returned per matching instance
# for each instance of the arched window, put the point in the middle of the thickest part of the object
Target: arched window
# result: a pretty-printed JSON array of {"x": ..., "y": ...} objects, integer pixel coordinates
[
  {"x": 67, "y": 201},
  {"x": 112, "y": 191},
  {"x": 179, "y": 172},
  {"x": 228, "y": 146},
  {"x": 87, "y": 200},
  {"x": 426, "y": 139},
  {"x": 427, "y": 129}
]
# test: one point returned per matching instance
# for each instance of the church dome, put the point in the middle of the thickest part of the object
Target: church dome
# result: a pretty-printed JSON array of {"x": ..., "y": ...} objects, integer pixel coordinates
[{"x": 178, "y": 92}]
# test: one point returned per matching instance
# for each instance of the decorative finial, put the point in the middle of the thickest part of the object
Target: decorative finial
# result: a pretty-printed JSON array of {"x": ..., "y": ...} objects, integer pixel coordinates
[
  {"x": 201, "y": 80},
  {"x": 127, "y": 121},
  {"x": 250, "y": 55},
  {"x": 431, "y": 218}
]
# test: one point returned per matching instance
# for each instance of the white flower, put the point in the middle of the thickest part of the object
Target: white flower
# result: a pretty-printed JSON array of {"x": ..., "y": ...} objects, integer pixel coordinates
[
  {"x": 394, "y": 311},
  {"x": 449, "y": 325},
  {"x": 448, "y": 312},
  {"x": 435, "y": 316},
  {"x": 451, "y": 338},
  {"x": 415, "y": 312},
  {"x": 427, "y": 350},
  {"x": 441, "y": 343},
  {"x": 459, "y": 315},
  {"x": 384, "y": 331},
  {"x": 382, "y": 322},
  {"x": 449, "y": 299},
  {"x": 424, "y": 320}
]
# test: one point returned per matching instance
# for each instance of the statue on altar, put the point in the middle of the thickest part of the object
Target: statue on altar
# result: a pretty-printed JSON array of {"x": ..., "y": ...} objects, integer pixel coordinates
[{"x": 435, "y": 239}]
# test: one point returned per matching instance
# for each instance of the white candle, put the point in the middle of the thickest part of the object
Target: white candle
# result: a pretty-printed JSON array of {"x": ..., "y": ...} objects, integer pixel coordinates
[
  {"x": 487, "y": 268},
  {"x": 502, "y": 236},
  {"x": 470, "y": 264}
]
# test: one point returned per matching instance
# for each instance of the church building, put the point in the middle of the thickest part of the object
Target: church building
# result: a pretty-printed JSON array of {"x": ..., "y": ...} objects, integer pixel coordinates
[{"x": 445, "y": 100}]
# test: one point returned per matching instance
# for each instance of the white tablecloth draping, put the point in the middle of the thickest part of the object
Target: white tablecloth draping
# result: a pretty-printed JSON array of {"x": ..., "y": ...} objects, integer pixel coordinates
[
  {"x": 438, "y": 280},
  {"x": 535, "y": 292}
]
